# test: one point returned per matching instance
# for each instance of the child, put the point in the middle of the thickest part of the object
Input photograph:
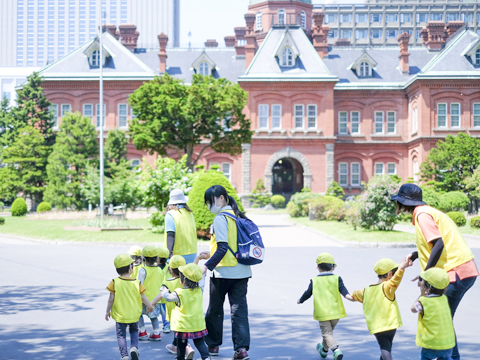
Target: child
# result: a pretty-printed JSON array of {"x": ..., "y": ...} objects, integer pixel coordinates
[
  {"x": 151, "y": 277},
  {"x": 435, "y": 332},
  {"x": 187, "y": 319},
  {"x": 380, "y": 305},
  {"x": 136, "y": 254},
  {"x": 328, "y": 306},
  {"x": 163, "y": 255},
  {"x": 125, "y": 305}
]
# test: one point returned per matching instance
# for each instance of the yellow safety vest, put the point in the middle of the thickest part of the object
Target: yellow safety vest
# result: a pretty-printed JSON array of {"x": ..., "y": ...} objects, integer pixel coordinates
[
  {"x": 185, "y": 232},
  {"x": 153, "y": 281},
  {"x": 456, "y": 251},
  {"x": 172, "y": 285},
  {"x": 228, "y": 259},
  {"x": 136, "y": 268},
  {"x": 435, "y": 327},
  {"x": 380, "y": 313},
  {"x": 328, "y": 304},
  {"x": 127, "y": 306},
  {"x": 188, "y": 317}
]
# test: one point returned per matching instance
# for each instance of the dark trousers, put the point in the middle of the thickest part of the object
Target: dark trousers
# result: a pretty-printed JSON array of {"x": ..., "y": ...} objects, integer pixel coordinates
[
  {"x": 199, "y": 344},
  {"x": 454, "y": 293},
  {"x": 236, "y": 289},
  {"x": 122, "y": 336}
]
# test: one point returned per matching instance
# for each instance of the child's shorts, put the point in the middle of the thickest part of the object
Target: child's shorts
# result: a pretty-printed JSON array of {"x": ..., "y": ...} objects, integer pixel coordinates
[{"x": 157, "y": 310}]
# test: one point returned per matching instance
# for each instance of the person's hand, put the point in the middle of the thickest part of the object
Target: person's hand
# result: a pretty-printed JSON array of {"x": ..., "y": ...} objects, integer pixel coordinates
[
  {"x": 298, "y": 301},
  {"x": 349, "y": 297},
  {"x": 150, "y": 309},
  {"x": 415, "y": 279},
  {"x": 107, "y": 316},
  {"x": 204, "y": 269},
  {"x": 406, "y": 263},
  {"x": 204, "y": 255}
]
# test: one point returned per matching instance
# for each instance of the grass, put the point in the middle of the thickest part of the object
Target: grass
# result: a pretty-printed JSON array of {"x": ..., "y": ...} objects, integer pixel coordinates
[
  {"x": 345, "y": 232},
  {"x": 266, "y": 212},
  {"x": 467, "y": 229}
]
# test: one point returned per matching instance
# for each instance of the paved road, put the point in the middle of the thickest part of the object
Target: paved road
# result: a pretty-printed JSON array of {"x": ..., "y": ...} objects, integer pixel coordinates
[{"x": 53, "y": 299}]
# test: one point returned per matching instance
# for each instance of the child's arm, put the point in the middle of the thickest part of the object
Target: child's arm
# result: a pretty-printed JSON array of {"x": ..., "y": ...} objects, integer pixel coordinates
[
  {"x": 111, "y": 298},
  {"x": 356, "y": 296},
  {"x": 391, "y": 285},
  {"x": 147, "y": 303},
  {"x": 417, "y": 306},
  {"x": 307, "y": 294},
  {"x": 349, "y": 297},
  {"x": 202, "y": 256},
  {"x": 343, "y": 290}
]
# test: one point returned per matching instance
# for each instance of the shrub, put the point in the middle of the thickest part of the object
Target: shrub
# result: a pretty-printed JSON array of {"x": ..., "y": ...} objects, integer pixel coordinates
[
  {"x": 335, "y": 190},
  {"x": 376, "y": 208},
  {"x": 259, "y": 196},
  {"x": 475, "y": 222},
  {"x": 458, "y": 218},
  {"x": 203, "y": 217},
  {"x": 328, "y": 208},
  {"x": 453, "y": 201},
  {"x": 1, "y": 206},
  {"x": 431, "y": 197},
  {"x": 278, "y": 201},
  {"x": 299, "y": 203},
  {"x": 19, "y": 207},
  {"x": 2, "y": 221},
  {"x": 44, "y": 207},
  {"x": 352, "y": 213}
]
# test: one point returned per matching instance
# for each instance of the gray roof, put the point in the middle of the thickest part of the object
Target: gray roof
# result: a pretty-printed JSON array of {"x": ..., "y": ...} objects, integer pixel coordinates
[{"x": 179, "y": 62}]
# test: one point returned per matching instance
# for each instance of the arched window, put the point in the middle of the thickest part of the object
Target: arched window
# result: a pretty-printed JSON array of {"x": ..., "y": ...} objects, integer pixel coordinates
[
  {"x": 96, "y": 58},
  {"x": 477, "y": 57},
  {"x": 364, "y": 69},
  {"x": 204, "y": 69},
  {"x": 303, "y": 20},
  {"x": 287, "y": 57},
  {"x": 258, "y": 21},
  {"x": 281, "y": 17}
]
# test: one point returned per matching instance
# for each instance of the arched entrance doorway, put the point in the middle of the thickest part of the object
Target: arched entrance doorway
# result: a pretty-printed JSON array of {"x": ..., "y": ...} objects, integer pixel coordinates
[{"x": 287, "y": 177}]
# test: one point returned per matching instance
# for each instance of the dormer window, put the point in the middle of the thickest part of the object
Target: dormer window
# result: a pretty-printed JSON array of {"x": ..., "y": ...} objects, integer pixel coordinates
[
  {"x": 204, "y": 65},
  {"x": 477, "y": 57},
  {"x": 363, "y": 66},
  {"x": 204, "y": 69},
  {"x": 364, "y": 69},
  {"x": 287, "y": 57},
  {"x": 258, "y": 21},
  {"x": 281, "y": 17},
  {"x": 92, "y": 53},
  {"x": 95, "y": 58},
  {"x": 303, "y": 20}
]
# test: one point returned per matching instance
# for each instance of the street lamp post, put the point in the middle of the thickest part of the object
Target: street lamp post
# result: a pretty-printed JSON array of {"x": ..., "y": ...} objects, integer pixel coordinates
[{"x": 101, "y": 115}]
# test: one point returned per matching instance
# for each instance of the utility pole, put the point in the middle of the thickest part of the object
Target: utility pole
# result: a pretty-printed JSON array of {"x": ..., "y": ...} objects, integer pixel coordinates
[{"x": 101, "y": 115}]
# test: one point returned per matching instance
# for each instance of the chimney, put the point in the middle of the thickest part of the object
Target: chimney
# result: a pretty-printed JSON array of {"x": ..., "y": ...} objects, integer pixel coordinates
[
  {"x": 212, "y": 43},
  {"x": 230, "y": 41},
  {"x": 129, "y": 36},
  {"x": 240, "y": 40},
  {"x": 403, "y": 43},
  {"x": 453, "y": 26},
  {"x": 251, "y": 46},
  {"x": 435, "y": 35},
  {"x": 112, "y": 29},
  {"x": 424, "y": 35},
  {"x": 342, "y": 42},
  {"x": 162, "y": 55},
  {"x": 320, "y": 34}
]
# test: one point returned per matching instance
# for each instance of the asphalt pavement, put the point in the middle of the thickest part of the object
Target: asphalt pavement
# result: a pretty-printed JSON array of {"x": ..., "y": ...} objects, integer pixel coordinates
[{"x": 53, "y": 300}]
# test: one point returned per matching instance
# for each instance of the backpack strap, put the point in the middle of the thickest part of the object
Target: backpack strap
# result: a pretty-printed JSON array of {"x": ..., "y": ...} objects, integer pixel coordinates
[{"x": 233, "y": 217}]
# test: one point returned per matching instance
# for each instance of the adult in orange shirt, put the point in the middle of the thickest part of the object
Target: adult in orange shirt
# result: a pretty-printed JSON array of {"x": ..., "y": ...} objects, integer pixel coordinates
[{"x": 439, "y": 244}]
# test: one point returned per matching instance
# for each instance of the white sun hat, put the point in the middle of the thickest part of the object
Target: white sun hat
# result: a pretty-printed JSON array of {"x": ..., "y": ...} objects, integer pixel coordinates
[{"x": 177, "y": 197}]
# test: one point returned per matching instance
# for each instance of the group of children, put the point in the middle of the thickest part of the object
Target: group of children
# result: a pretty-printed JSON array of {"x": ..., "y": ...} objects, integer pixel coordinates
[
  {"x": 147, "y": 285},
  {"x": 435, "y": 334}
]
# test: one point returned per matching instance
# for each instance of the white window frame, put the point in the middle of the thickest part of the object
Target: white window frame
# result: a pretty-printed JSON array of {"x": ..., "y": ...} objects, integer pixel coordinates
[
  {"x": 120, "y": 116},
  {"x": 63, "y": 111},
  {"x": 379, "y": 166},
  {"x": 228, "y": 174},
  {"x": 263, "y": 117},
  {"x": 312, "y": 117},
  {"x": 97, "y": 122},
  {"x": 443, "y": 115},
  {"x": 477, "y": 57},
  {"x": 476, "y": 115},
  {"x": 343, "y": 122},
  {"x": 391, "y": 120},
  {"x": 303, "y": 20},
  {"x": 379, "y": 31},
  {"x": 344, "y": 32},
  {"x": 347, "y": 17},
  {"x": 287, "y": 57},
  {"x": 298, "y": 117},
  {"x": 355, "y": 122},
  {"x": 379, "y": 121},
  {"x": 456, "y": 116},
  {"x": 84, "y": 112},
  {"x": 416, "y": 170},
  {"x": 54, "y": 108},
  {"x": 276, "y": 116},
  {"x": 258, "y": 21},
  {"x": 352, "y": 174},
  {"x": 281, "y": 17},
  {"x": 414, "y": 120},
  {"x": 343, "y": 172},
  {"x": 364, "y": 69},
  {"x": 394, "y": 168},
  {"x": 134, "y": 166},
  {"x": 357, "y": 18},
  {"x": 95, "y": 58},
  {"x": 363, "y": 32},
  {"x": 204, "y": 68}
]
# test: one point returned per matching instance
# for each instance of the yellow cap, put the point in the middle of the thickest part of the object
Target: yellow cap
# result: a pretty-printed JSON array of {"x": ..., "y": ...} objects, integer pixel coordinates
[
  {"x": 436, "y": 277},
  {"x": 135, "y": 250},
  {"x": 176, "y": 261},
  {"x": 163, "y": 252},
  {"x": 325, "y": 258},
  {"x": 122, "y": 260},
  {"x": 384, "y": 266},
  {"x": 150, "y": 251},
  {"x": 191, "y": 272}
]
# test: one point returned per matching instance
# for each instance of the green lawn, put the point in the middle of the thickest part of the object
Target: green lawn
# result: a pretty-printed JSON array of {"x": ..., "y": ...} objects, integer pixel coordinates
[{"x": 345, "y": 232}]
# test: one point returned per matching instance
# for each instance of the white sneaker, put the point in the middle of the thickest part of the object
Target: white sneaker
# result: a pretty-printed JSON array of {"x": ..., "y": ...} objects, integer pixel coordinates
[
  {"x": 134, "y": 354},
  {"x": 189, "y": 352}
]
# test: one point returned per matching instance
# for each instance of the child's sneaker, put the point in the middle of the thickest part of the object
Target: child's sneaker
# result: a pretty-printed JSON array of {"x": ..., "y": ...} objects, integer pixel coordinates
[
  {"x": 166, "y": 329},
  {"x": 337, "y": 355},
  {"x": 172, "y": 349},
  {"x": 125, "y": 358},
  {"x": 189, "y": 352},
  {"x": 143, "y": 335},
  {"x": 155, "y": 337},
  {"x": 322, "y": 351},
  {"x": 134, "y": 353}
]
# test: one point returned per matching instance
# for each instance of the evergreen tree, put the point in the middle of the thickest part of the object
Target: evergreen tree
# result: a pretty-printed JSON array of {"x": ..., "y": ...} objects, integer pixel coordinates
[
  {"x": 75, "y": 148},
  {"x": 6, "y": 124},
  {"x": 115, "y": 152}
]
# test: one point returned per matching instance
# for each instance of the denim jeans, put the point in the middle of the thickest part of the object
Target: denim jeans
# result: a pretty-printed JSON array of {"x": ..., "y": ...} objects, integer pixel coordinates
[
  {"x": 237, "y": 296},
  {"x": 122, "y": 337},
  {"x": 429, "y": 354},
  {"x": 454, "y": 294},
  {"x": 155, "y": 323}
]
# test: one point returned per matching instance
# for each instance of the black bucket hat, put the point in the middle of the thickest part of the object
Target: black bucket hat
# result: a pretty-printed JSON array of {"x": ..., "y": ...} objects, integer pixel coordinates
[{"x": 409, "y": 195}]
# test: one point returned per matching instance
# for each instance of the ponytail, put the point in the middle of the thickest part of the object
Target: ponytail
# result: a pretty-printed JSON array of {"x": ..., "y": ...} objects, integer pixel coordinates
[
  {"x": 231, "y": 201},
  {"x": 217, "y": 191}
]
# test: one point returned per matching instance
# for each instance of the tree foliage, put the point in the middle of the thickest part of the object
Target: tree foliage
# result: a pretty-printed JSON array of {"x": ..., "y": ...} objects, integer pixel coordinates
[
  {"x": 335, "y": 190},
  {"x": 19, "y": 207},
  {"x": 260, "y": 197},
  {"x": 174, "y": 116},
  {"x": 472, "y": 184}
]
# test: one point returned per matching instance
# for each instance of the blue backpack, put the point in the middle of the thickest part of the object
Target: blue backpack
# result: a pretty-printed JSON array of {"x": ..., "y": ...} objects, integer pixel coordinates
[{"x": 250, "y": 248}]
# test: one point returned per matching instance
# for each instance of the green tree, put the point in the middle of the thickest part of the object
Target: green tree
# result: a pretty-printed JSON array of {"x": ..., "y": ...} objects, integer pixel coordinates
[
  {"x": 472, "y": 184},
  {"x": 7, "y": 136},
  {"x": 335, "y": 190},
  {"x": 172, "y": 115},
  {"x": 115, "y": 153},
  {"x": 75, "y": 148},
  {"x": 454, "y": 159}
]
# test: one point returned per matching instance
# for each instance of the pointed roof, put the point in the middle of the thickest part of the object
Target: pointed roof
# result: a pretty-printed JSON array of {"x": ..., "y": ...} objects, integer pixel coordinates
[
  {"x": 365, "y": 57},
  {"x": 203, "y": 58},
  {"x": 287, "y": 40},
  {"x": 121, "y": 64}
]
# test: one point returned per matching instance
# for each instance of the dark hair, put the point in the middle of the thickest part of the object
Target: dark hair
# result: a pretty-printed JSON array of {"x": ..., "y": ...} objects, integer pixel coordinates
[
  {"x": 431, "y": 289},
  {"x": 176, "y": 207},
  {"x": 384, "y": 276},
  {"x": 162, "y": 261},
  {"x": 407, "y": 208},
  {"x": 188, "y": 283},
  {"x": 124, "y": 270},
  {"x": 326, "y": 267},
  {"x": 217, "y": 191},
  {"x": 175, "y": 272},
  {"x": 150, "y": 261}
]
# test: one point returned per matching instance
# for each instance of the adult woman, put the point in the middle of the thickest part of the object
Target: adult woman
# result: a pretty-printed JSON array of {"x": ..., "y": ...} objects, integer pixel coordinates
[
  {"x": 180, "y": 229},
  {"x": 440, "y": 244},
  {"x": 228, "y": 276}
]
